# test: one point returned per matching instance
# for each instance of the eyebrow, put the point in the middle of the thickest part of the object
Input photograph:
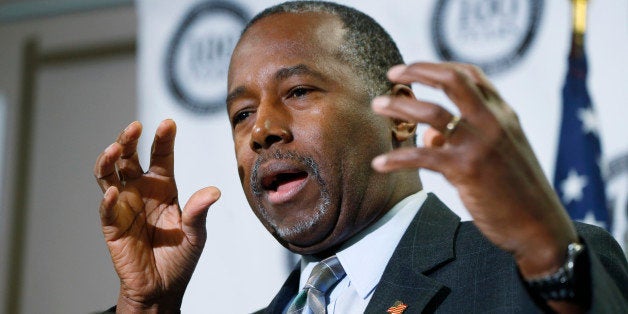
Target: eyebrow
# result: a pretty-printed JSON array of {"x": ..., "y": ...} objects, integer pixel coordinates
[
  {"x": 235, "y": 94},
  {"x": 282, "y": 74},
  {"x": 299, "y": 69}
]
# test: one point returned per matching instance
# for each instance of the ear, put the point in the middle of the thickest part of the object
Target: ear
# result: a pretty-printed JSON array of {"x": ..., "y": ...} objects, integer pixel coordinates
[{"x": 402, "y": 130}]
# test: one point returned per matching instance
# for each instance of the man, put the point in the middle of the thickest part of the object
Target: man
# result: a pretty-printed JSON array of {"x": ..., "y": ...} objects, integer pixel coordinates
[{"x": 330, "y": 176}]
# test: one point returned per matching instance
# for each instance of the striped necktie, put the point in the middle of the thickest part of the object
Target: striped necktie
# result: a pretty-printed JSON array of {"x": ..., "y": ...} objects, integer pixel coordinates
[{"x": 312, "y": 297}]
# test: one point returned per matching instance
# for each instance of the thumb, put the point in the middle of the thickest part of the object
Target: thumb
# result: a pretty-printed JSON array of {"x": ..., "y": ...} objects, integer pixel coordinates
[
  {"x": 107, "y": 208},
  {"x": 195, "y": 212}
]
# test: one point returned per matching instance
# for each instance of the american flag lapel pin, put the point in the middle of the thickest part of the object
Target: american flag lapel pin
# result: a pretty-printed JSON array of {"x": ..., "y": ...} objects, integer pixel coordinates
[{"x": 397, "y": 308}]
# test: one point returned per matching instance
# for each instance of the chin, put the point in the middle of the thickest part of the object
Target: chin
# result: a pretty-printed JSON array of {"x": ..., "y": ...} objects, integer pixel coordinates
[
  {"x": 302, "y": 232},
  {"x": 323, "y": 247},
  {"x": 304, "y": 236}
]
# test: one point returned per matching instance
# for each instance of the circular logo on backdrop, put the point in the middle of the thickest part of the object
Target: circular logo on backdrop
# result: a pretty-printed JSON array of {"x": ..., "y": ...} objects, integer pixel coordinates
[
  {"x": 198, "y": 56},
  {"x": 492, "y": 34}
]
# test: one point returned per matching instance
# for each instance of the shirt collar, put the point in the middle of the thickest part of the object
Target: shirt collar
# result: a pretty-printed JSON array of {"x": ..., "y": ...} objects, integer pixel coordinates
[{"x": 375, "y": 245}]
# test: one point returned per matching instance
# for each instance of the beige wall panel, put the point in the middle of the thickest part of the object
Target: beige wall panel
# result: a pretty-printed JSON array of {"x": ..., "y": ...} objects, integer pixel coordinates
[{"x": 78, "y": 108}]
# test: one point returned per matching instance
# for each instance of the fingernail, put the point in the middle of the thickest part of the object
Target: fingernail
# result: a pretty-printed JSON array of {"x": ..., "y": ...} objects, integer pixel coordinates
[
  {"x": 396, "y": 70},
  {"x": 380, "y": 102},
  {"x": 128, "y": 126}
]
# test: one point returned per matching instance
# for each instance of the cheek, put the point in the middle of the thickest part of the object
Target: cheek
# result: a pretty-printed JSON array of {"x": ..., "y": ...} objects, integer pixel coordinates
[
  {"x": 348, "y": 136},
  {"x": 366, "y": 133},
  {"x": 244, "y": 159},
  {"x": 349, "y": 140}
]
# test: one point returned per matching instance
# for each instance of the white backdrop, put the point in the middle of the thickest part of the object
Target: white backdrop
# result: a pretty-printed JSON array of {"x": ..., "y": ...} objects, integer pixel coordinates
[{"x": 240, "y": 253}]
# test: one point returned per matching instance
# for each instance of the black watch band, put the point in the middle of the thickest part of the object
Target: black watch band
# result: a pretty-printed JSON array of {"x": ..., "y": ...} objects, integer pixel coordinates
[{"x": 559, "y": 285}]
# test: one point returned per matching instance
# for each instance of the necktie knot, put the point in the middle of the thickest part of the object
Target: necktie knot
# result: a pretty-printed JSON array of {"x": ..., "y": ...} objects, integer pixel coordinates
[
  {"x": 325, "y": 274},
  {"x": 312, "y": 299}
]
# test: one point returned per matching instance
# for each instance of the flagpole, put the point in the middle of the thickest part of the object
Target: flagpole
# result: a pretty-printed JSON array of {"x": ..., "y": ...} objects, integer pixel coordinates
[{"x": 579, "y": 25}]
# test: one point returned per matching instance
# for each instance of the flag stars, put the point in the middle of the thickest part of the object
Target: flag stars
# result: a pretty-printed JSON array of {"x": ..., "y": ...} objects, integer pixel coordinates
[
  {"x": 573, "y": 186},
  {"x": 589, "y": 120},
  {"x": 592, "y": 220},
  {"x": 580, "y": 172}
]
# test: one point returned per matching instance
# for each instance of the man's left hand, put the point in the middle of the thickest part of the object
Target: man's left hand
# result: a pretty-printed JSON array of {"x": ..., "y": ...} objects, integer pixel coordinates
[{"x": 487, "y": 158}]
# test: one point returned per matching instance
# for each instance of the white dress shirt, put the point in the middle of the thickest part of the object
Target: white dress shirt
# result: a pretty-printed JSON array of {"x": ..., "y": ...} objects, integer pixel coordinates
[{"x": 365, "y": 257}]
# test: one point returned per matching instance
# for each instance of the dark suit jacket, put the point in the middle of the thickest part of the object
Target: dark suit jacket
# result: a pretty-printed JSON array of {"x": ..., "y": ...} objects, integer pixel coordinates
[{"x": 443, "y": 265}]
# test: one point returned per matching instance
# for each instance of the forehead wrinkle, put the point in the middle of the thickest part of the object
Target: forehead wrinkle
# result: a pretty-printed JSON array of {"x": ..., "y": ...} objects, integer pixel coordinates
[
  {"x": 326, "y": 36},
  {"x": 299, "y": 69}
]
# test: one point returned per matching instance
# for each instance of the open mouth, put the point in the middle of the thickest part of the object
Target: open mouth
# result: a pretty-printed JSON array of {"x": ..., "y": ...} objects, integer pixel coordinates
[
  {"x": 282, "y": 182},
  {"x": 284, "y": 178}
]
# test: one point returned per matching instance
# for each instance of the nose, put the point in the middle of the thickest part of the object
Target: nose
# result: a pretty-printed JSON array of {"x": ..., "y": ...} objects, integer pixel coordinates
[{"x": 271, "y": 126}]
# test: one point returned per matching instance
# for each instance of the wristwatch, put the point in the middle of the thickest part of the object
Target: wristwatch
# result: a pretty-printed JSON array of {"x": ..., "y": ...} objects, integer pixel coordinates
[{"x": 561, "y": 284}]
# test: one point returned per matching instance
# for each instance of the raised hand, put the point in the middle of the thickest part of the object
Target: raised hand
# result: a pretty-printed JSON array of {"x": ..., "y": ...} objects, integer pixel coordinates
[
  {"x": 153, "y": 244},
  {"x": 487, "y": 157}
]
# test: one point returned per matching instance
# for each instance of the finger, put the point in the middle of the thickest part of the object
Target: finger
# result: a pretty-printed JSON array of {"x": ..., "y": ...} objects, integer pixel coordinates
[
  {"x": 484, "y": 85},
  {"x": 112, "y": 227},
  {"x": 451, "y": 79},
  {"x": 162, "y": 152},
  {"x": 412, "y": 110},
  {"x": 477, "y": 76},
  {"x": 195, "y": 213},
  {"x": 411, "y": 158},
  {"x": 107, "y": 207},
  {"x": 129, "y": 164},
  {"x": 105, "y": 167}
]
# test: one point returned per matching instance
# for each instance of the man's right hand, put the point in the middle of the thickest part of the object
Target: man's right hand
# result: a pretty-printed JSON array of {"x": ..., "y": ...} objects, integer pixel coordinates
[{"x": 153, "y": 244}]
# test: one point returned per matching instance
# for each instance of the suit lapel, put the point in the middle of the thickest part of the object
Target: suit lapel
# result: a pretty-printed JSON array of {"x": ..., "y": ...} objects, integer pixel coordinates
[
  {"x": 285, "y": 294},
  {"x": 427, "y": 244}
]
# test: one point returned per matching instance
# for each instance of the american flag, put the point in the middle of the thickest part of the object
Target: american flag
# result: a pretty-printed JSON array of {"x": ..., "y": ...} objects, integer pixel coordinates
[
  {"x": 578, "y": 178},
  {"x": 397, "y": 308}
]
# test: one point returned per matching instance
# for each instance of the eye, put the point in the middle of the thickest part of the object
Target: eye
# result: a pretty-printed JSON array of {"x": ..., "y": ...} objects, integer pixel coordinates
[
  {"x": 239, "y": 117},
  {"x": 299, "y": 91}
]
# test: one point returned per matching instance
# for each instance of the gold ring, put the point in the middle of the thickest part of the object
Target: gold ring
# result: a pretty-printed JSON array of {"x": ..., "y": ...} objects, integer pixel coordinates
[{"x": 450, "y": 128}]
